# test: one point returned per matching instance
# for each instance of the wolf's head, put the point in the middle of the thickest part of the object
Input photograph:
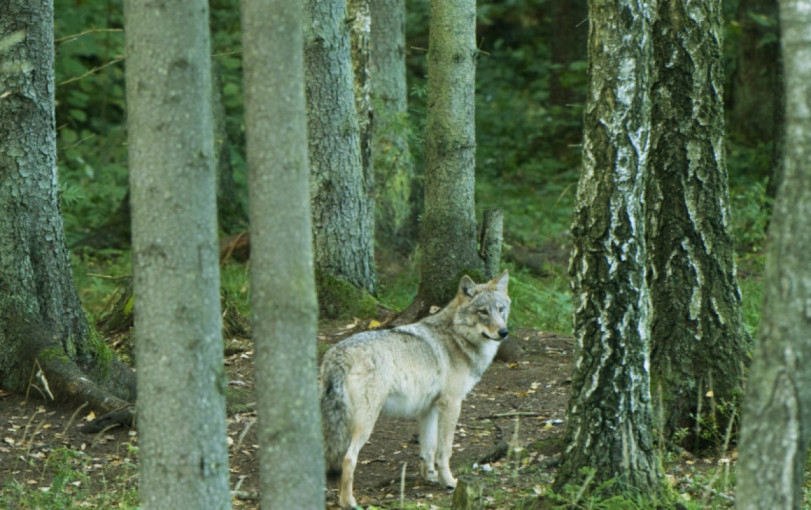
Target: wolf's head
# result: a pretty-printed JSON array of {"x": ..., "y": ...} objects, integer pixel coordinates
[{"x": 482, "y": 309}]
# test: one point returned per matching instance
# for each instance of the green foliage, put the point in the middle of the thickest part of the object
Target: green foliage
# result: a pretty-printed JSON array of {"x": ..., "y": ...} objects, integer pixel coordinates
[
  {"x": 613, "y": 494},
  {"x": 235, "y": 285},
  {"x": 541, "y": 303},
  {"x": 73, "y": 485},
  {"x": 98, "y": 276},
  {"x": 90, "y": 106}
]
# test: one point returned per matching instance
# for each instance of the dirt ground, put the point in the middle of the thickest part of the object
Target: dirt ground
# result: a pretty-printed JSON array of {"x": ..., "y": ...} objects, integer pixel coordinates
[{"x": 504, "y": 438}]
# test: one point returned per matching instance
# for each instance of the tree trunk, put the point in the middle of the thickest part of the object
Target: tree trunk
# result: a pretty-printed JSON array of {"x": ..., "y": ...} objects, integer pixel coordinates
[
  {"x": 776, "y": 422},
  {"x": 698, "y": 340},
  {"x": 610, "y": 424},
  {"x": 42, "y": 324},
  {"x": 292, "y": 470},
  {"x": 449, "y": 221},
  {"x": 343, "y": 218},
  {"x": 395, "y": 216},
  {"x": 183, "y": 460}
]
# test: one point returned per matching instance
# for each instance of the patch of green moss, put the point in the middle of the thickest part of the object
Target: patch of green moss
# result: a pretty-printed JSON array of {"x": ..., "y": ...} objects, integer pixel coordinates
[
  {"x": 339, "y": 299},
  {"x": 54, "y": 353},
  {"x": 101, "y": 352},
  {"x": 239, "y": 400}
]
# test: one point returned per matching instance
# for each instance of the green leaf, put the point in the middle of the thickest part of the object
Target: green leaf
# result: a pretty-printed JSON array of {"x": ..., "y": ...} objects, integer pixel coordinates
[
  {"x": 78, "y": 115},
  {"x": 68, "y": 135}
]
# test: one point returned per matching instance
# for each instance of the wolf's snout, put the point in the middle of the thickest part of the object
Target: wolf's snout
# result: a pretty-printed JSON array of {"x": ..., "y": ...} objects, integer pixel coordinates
[{"x": 503, "y": 332}]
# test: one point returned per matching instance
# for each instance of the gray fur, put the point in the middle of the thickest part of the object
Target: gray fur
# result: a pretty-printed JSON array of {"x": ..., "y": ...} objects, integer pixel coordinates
[{"x": 422, "y": 370}]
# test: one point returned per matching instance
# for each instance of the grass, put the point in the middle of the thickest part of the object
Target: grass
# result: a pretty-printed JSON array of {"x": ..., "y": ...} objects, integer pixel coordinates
[{"x": 74, "y": 483}]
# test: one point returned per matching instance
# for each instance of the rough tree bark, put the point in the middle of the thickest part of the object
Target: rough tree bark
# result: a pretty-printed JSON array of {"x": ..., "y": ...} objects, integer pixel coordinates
[
  {"x": 610, "y": 425},
  {"x": 45, "y": 341},
  {"x": 283, "y": 301},
  {"x": 343, "y": 217},
  {"x": 395, "y": 214},
  {"x": 776, "y": 423},
  {"x": 183, "y": 459},
  {"x": 699, "y": 345},
  {"x": 449, "y": 221}
]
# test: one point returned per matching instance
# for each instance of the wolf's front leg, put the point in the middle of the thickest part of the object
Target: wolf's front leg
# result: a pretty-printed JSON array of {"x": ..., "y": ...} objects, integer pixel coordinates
[
  {"x": 448, "y": 415},
  {"x": 428, "y": 438}
]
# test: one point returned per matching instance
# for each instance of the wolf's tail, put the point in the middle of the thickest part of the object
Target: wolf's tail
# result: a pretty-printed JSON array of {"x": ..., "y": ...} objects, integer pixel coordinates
[{"x": 334, "y": 416}]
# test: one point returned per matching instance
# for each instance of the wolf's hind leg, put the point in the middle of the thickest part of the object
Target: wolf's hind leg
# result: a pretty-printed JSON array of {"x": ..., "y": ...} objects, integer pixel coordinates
[
  {"x": 360, "y": 434},
  {"x": 428, "y": 438}
]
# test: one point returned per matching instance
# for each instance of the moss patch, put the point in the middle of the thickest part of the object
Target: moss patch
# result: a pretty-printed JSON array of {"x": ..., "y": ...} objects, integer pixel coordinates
[
  {"x": 339, "y": 299},
  {"x": 239, "y": 400}
]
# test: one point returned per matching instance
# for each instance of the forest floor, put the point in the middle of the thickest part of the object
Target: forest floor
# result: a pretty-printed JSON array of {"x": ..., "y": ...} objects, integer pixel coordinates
[{"x": 506, "y": 446}]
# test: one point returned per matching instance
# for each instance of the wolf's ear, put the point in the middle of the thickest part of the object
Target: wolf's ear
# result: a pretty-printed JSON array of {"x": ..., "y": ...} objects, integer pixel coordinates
[
  {"x": 500, "y": 282},
  {"x": 467, "y": 286}
]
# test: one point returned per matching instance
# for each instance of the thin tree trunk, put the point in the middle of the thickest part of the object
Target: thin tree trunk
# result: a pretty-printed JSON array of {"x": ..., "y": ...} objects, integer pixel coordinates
[
  {"x": 449, "y": 222},
  {"x": 610, "y": 425},
  {"x": 697, "y": 334},
  {"x": 776, "y": 422},
  {"x": 183, "y": 460},
  {"x": 343, "y": 237},
  {"x": 292, "y": 471},
  {"x": 395, "y": 216}
]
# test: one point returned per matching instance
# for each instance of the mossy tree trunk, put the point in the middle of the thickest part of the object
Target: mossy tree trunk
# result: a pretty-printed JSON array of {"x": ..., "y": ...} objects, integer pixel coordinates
[
  {"x": 183, "y": 459},
  {"x": 449, "y": 221},
  {"x": 42, "y": 324},
  {"x": 776, "y": 424},
  {"x": 395, "y": 215},
  {"x": 283, "y": 301},
  {"x": 610, "y": 425},
  {"x": 342, "y": 206},
  {"x": 699, "y": 344}
]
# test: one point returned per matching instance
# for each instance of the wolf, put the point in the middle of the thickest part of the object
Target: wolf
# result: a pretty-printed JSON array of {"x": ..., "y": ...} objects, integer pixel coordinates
[{"x": 422, "y": 370}]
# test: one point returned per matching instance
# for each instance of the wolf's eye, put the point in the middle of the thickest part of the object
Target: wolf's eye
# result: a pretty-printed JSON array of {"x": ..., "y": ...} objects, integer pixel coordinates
[
  {"x": 482, "y": 311},
  {"x": 500, "y": 309}
]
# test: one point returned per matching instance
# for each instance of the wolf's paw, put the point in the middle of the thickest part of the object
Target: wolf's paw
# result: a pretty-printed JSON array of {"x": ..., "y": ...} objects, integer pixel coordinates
[
  {"x": 430, "y": 475},
  {"x": 449, "y": 482},
  {"x": 347, "y": 502}
]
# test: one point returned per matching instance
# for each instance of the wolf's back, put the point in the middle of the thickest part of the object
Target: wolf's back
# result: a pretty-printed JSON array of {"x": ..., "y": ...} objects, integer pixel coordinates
[{"x": 334, "y": 415}]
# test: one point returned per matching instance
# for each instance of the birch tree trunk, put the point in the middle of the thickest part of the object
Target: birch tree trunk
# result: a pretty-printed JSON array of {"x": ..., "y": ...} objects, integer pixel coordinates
[
  {"x": 343, "y": 217},
  {"x": 395, "y": 218},
  {"x": 609, "y": 421},
  {"x": 183, "y": 457},
  {"x": 42, "y": 324},
  {"x": 283, "y": 302},
  {"x": 699, "y": 344},
  {"x": 776, "y": 422}
]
